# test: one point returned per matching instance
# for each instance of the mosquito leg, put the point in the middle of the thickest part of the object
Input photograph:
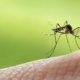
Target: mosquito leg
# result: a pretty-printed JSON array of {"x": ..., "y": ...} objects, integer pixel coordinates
[
  {"x": 76, "y": 28},
  {"x": 66, "y": 22},
  {"x": 75, "y": 39},
  {"x": 54, "y": 46},
  {"x": 77, "y": 43},
  {"x": 55, "y": 37},
  {"x": 55, "y": 43},
  {"x": 57, "y": 25},
  {"x": 68, "y": 43}
]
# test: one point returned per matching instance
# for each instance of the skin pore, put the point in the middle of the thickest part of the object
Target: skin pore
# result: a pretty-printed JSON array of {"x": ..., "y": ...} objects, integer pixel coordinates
[{"x": 65, "y": 67}]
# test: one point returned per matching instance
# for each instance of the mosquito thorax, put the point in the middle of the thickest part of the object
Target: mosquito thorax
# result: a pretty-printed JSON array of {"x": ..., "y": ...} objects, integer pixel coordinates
[{"x": 68, "y": 27}]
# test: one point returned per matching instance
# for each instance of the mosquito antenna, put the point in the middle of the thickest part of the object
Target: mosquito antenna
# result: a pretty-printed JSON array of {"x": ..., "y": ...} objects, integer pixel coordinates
[
  {"x": 68, "y": 43},
  {"x": 51, "y": 25},
  {"x": 45, "y": 33},
  {"x": 54, "y": 46}
]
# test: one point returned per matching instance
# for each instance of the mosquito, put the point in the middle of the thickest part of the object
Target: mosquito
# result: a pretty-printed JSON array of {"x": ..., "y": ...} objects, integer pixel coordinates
[{"x": 67, "y": 29}]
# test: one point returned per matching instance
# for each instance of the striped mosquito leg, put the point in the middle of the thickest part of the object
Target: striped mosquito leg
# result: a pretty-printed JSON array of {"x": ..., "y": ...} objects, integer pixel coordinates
[{"x": 45, "y": 33}]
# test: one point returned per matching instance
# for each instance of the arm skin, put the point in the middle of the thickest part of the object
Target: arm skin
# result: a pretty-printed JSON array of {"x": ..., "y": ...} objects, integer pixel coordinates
[{"x": 56, "y": 68}]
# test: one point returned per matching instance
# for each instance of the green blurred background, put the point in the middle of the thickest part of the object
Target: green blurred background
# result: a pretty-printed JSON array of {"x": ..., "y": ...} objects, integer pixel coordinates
[{"x": 20, "y": 20}]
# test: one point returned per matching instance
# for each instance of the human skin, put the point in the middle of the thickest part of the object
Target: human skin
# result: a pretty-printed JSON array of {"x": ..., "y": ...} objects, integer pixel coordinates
[{"x": 65, "y": 67}]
